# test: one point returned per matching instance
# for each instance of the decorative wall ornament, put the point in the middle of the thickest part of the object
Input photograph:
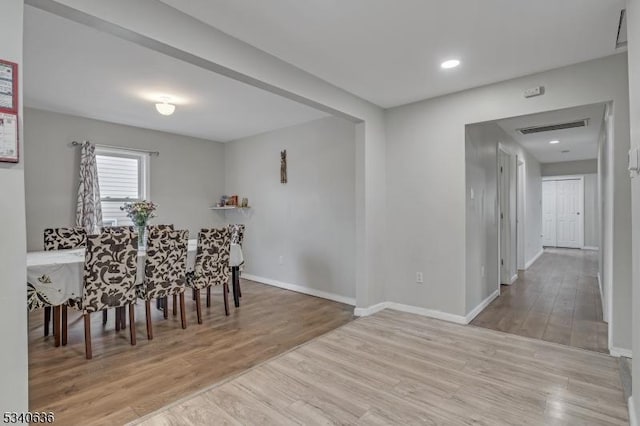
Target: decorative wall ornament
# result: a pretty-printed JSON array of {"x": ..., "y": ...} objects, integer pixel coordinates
[{"x": 283, "y": 166}]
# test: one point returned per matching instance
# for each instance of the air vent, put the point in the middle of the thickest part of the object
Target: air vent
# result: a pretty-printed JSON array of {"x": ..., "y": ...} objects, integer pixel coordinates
[
  {"x": 553, "y": 127},
  {"x": 621, "y": 37}
]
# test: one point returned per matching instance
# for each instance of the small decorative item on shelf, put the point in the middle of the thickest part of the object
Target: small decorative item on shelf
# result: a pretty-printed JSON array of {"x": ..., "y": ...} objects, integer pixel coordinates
[
  {"x": 233, "y": 200},
  {"x": 245, "y": 203},
  {"x": 140, "y": 212}
]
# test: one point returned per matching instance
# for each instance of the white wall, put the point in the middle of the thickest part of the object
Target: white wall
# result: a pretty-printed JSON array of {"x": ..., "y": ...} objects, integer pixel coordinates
[
  {"x": 580, "y": 167},
  {"x": 13, "y": 297},
  {"x": 186, "y": 178},
  {"x": 633, "y": 32},
  {"x": 482, "y": 211},
  {"x": 310, "y": 221},
  {"x": 426, "y": 155}
]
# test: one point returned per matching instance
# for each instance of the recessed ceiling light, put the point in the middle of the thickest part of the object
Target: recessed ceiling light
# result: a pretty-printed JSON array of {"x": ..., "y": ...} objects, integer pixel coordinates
[
  {"x": 554, "y": 142},
  {"x": 164, "y": 107},
  {"x": 451, "y": 63}
]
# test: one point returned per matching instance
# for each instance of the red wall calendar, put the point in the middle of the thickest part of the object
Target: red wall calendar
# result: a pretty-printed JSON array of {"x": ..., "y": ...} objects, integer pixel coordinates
[{"x": 9, "y": 146}]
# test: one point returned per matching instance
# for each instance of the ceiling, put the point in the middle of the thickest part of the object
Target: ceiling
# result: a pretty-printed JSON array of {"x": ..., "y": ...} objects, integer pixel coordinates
[
  {"x": 73, "y": 69},
  {"x": 582, "y": 143},
  {"x": 389, "y": 52}
]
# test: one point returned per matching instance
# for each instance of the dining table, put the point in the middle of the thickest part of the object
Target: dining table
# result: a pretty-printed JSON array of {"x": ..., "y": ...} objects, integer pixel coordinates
[{"x": 56, "y": 276}]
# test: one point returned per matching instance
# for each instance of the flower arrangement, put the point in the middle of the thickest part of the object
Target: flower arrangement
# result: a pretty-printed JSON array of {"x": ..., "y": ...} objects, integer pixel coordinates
[{"x": 140, "y": 211}]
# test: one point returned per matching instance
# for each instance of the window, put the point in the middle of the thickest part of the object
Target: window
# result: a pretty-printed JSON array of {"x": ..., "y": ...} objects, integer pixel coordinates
[{"x": 123, "y": 176}]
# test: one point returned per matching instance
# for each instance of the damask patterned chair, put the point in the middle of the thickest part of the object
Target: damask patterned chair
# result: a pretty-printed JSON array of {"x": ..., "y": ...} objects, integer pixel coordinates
[
  {"x": 212, "y": 266},
  {"x": 237, "y": 236},
  {"x": 165, "y": 270},
  {"x": 110, "y": 267},
  {"x": 61, "y": 239}
]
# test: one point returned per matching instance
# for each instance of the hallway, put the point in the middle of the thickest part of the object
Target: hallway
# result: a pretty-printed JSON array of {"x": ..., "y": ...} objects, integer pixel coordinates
[{"x": 557, "y": 299}]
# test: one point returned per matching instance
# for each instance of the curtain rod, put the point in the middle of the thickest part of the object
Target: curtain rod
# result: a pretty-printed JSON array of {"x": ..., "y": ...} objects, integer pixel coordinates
[{"x": 76, "y": 143}]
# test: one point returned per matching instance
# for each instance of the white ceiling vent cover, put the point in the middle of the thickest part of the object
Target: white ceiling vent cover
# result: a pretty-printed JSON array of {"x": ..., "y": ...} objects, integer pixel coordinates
[{"x": 554, "y": 127}]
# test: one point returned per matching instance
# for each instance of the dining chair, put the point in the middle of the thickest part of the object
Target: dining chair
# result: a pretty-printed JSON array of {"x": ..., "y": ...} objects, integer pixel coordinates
[
  {"x": 237, "y": 236},
  {"x": 164, "y": 271},
  {"x": 212, "y": 266},
  {"x": 110, "y": 267},
  {"x": 161, "y": 303},
  {"x": 64, "y": 238}
]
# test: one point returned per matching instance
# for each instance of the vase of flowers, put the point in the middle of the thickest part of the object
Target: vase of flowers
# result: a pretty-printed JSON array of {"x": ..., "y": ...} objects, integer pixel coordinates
[{"x": 140, "y": 212}]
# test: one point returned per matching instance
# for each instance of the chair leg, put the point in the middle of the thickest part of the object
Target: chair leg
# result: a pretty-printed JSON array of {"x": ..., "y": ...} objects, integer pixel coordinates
[
  {"x": 56, "y": 325},
  {"x": 198, "y": 308},
  {"x": 123, "y": 317},
  {"x": 47, "y": 319},
  {"x": 132, "y": 322},
  {"x": 175, "y": 305},
  {"x": 208, "y": 297},
  {"x": 87, "y": 335},
  {"x": 118, "y": 321},
  {"x": 147, "y": 306},
  {"x": 183, "y": 314},
  {"x": 165, "y": 302},
  {"x": 193, "y": 292},
  {"x": 238, "y": 279},
  {"x": 105, "y": 317},
  {"x": 225, "y": 291},
  {"x": 64, "y": 325},
  {"x": 234, "y": 286}
]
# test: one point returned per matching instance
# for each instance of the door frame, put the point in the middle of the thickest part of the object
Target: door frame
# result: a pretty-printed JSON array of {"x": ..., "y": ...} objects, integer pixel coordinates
[
  {"x": 520, "y": 212},
  {"x": 580, "y": 203},
  {"x": 509, "y": 258}
]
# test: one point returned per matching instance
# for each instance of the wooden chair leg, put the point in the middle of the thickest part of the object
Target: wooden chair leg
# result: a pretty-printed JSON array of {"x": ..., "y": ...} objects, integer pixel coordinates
[
  {"x": 87, "y": 335},
  {"x": 198, "y": 307},
  {"x": 234, "y": 286},
  {"x": 208, "y": 297},
  {"x": 105, "y": 317},
  {"x": 132, "y": 322},
  {"x": 147, "y": 306},
  {"x": 225, "y": 291},
  {"x": 165, "y": 302},
  {"x": 56, "y": 325},
  {"x": 123, "y": 318},
  {"x": 47, "y": 319},
  {"x": 183, "y": 314},
  {"x": 118, "y": 321},
  {"x": 238, "y": 282},
  {"x": 193, "y": 292},
  {"x": 175, "y": 305},
  {"x": 64, "y": 325}
]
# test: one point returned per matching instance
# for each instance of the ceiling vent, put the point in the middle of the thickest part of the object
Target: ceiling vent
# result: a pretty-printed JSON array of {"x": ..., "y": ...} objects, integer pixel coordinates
[
  {"x": 553, "y": 127},
  {"x": 621, "y": 38}
]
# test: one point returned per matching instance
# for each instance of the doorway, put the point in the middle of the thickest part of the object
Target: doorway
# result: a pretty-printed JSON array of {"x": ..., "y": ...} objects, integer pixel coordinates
[
  {"x": 563, "y": 211},
  {"x": 507, "y": 216}
]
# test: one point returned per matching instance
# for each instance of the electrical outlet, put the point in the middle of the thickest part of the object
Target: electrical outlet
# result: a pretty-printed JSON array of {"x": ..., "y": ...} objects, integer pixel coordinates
[
  {"x": 419, "y": 278},
  {"x": 281, "y": 260}
]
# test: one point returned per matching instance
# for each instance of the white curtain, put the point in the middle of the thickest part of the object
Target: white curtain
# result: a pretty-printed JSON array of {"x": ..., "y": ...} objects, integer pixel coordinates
[{"x": 88, "y": 209}]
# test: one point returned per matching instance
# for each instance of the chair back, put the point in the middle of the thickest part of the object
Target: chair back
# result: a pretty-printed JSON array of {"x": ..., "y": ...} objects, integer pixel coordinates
[
  {"x": 117, "y": 229},
  {"x": 165, "y": 267},
  {"x": 212, "y": 258},
  {"x": 110, "y": 267},
  {"x": 64, "y": 238},
  {"x": 237, "y": 233},
  {"x": 159, "y": 228}
]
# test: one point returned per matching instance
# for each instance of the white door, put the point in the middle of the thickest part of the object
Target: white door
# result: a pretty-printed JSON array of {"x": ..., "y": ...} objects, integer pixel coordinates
[
  {"x": 505, "y": 214},
  {"x": 549, "y": 213},
  {"x": 569, "y": 206}
]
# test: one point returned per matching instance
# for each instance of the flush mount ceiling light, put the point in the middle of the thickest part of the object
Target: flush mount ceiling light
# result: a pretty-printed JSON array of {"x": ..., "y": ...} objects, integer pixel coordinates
[
  {"x": 164, "y": 107},
  {"x": 554, "y": 142},
  {"x": 451, "y": 63}
]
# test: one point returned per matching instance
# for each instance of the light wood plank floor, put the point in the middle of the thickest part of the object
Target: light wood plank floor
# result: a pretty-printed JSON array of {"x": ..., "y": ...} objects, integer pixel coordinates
[
  {"x": 557, "y": 299},
  {"x": 124, "y": 382},
  {"x": 398, "y": 368}
]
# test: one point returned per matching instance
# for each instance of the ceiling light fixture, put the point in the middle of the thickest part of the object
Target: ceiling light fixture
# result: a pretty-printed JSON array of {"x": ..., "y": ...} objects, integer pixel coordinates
[
  {"x": 554, "y": 142},
  {"x": 165, "y": 108},
  {"x": 451, "y": 63}
]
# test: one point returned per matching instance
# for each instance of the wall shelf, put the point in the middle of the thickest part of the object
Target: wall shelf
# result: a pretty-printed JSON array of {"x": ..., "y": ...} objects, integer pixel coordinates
[{"x": 228, "y": 208}]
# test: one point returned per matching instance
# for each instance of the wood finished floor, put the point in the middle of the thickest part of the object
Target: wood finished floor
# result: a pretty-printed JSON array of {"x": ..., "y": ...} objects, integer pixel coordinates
[
  {"x": 557, "y": 299},
  {"x": 123, "y": 382},
  {"x": 399, "y": 368}
]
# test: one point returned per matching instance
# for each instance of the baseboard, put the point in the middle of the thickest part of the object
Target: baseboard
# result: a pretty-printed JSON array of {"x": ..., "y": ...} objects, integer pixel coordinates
[
  {"x": 475, "y": 311},
  {"x": 601, "y": 294},
  {"x": 364, "y": 312},
  {"x": 513, "y": 279},
  {"x": 633, "y": 419},
  {"x": 300, "y": 289},
  {"x": 532, "y": 261},
  {"x": 594, "y": 248},
  {"x": 618, "y": 352},
  {"x": 431, "y": 313}
]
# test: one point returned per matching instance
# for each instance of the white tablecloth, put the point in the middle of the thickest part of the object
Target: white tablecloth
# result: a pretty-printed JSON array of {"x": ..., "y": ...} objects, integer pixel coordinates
[{"x": 57, "y": 275}]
